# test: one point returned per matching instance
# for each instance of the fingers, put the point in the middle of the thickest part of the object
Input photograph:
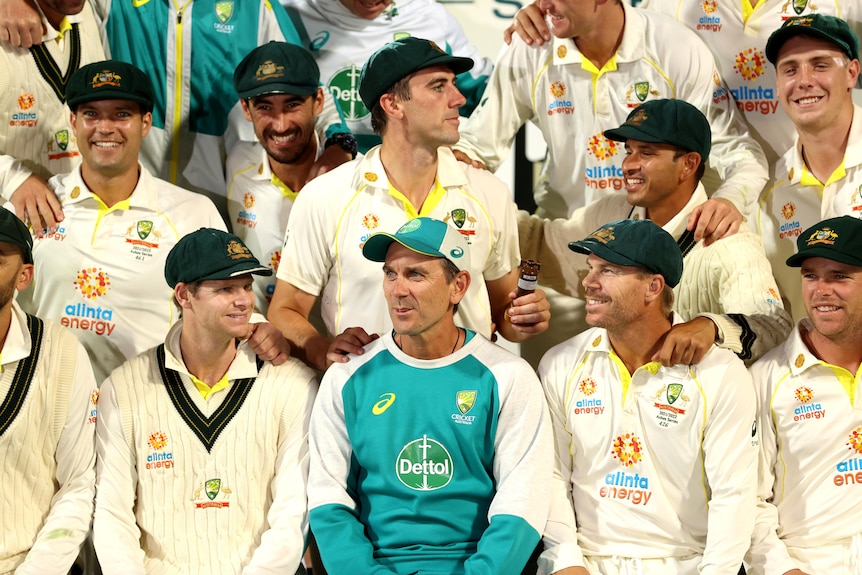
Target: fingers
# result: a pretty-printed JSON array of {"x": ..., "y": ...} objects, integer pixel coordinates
[
  {"x": 350, "y": 341},
  {"x": 713, "y": 220},
  {"x": 268, "y": 343},
  {"x": 530, "y": 313},
  {"x": 530, "y": 25},
  {"x": 462, "y": 157}
]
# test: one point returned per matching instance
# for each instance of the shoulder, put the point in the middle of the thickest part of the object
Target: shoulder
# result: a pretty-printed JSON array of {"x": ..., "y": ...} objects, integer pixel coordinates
[
  {"x": 567, "y": 354},
  {"x": 243, "y": 156},
  {"x": 338, "y": 375},
  {"x": 330, "y": 189},
  {"x": 657, "y": 28}
]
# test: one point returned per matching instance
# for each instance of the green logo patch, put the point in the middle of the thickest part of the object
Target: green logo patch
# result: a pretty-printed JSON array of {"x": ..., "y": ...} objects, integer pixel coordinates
[
  {"x": 424, "y": 465},
  {"x": 344, "y": 86}
]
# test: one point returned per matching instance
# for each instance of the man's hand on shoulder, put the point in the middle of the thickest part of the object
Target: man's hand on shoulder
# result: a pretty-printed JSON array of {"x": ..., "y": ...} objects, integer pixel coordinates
[
  {"x": 462, "y": 157},
  {"x": 572, "y": 571},
  {"x": 687, "y": 343},
  {"x": 20, "y": 24},
  {"x": 529, "y": 314},
  {"x": 351, "y": 340},
  {"x": 330, "y": 158},
  {"x": 795, "y": 572},
  {"x": 268, "y": 343},
  {"x": 35, "y": 202},
  {"x": 714, "y": 219},
  {"x": 529, "y": 23}
]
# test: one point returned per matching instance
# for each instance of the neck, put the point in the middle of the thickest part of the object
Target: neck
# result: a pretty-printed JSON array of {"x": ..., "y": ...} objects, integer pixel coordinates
[
  {"x": 111, "y": 188},
  {"x": 845, "y": 352},
  {"x": 670, "y": 206},
  {"x": 823, "y": 149},
  {"x": 411, "y": 170},
  {"x": 602, "y": 43},
  {"x": 295, "y": 174},
  {"x": 205, "y": 356},
  {"x": 435, "y": 345},
  {"x": 636, "y": 347}
]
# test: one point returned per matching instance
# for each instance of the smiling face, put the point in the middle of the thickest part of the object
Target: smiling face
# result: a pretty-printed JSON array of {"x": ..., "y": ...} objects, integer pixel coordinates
[
  {"x": 615, "y": 294},
  {"x": 653, "y": 174},
  {"x": 218, "y": 308},
  {"x": 832, "y": 292},
  {"x": 109, "y": 135},
  {"x": 430, "y": 116},
  {"x": 366, "y": 9},
  {"x": 814, "y": 79},
  {"x": 284, "y": 124}
]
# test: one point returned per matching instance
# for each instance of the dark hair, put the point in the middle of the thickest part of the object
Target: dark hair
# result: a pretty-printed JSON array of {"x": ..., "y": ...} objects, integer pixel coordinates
[{"x": 401, "y": 90}]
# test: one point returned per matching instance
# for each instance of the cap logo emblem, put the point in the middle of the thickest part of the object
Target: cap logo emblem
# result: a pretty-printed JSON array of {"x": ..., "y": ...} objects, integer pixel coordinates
[
  {"x": 410, "y": 226},
  {"x": 436, "y": 47},
  {"x": 824, "y": 236},
  {"x": 237, "y": 251},
  {"x": 456, "y": 252},
  {"x": 638, "y": 118},
  {"x": 603, "y": 235},
  {"x": 106, "y": 78},
  {"x": 805, "y": 21},
  {"x": 268, "y": 70}
]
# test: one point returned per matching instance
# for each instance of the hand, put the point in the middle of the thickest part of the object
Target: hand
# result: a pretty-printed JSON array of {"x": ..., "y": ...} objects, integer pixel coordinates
[
  {"x": 529, "y": 314},
  {"x": 795, "y": 572},
  {"x": 462, "y": 157},
  {"x": 715, "y": 219},
  {"x": 35, "y": 202},
  {"x": 20, "y": 24},
  {"x": 331, "y": 158},
  {"x": 530, "y": 25},
  {"x": 572, "y": 571},
  {"x": 267, "y": 343},
  {"x": 687, "y": 343},
  {"x": 351, "y": 340}
]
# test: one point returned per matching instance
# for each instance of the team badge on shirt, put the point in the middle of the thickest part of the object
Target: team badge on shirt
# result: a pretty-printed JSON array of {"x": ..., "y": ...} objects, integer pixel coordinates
[
  {"x": 460, "y": 218},
  {"x": 809, "y": 409},
  {"x": 464, "y": 401},
  {"x": 671, "y": 401},
  {"x": 638, "y": 93},
  {"x": 798, "y": 6},
  {"x": 424, "y": 464},
  {"x": 24, "y": 118},
  {"x": 224, "y": 12},
  {"x": 216, "y": 494},
  {"x": 159, "y": 458}
]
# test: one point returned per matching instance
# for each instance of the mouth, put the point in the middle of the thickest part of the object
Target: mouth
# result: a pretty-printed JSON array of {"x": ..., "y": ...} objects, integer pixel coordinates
[
  {"x": 106, "y": 145},
  {"x": 283, "y": 139},
  {"x": 808, "y": 100},
  {"x": 823, "y": 308},
  {"x": 634, "y": 183},
  {"x": 593, "y": 302}
]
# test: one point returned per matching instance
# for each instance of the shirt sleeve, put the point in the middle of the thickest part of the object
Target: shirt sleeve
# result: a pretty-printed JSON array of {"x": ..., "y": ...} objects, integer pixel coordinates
[
  {"x": 523, "y": 456},
  {"x": 68, "y": 522},
  {"x": 12, "y": 175},
  {"x": 560, "y": 536},
  {"x": 730, "y": 463},
  {"x": 333, "y": 512},
  {"x": 753, "y": 320},
  {"x": 116, "y": 536},
  {"x": 283, "y": 543},
  {"x": 506, "y": 106},
  {"x": 767, "y": 553}
]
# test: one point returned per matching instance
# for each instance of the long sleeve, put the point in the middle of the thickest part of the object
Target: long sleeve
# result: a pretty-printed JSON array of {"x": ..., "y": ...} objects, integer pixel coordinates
[
  {"x": 506, "y": 106},
  {"x": 523, "y": 456},
  {"x": 12, "y": 175},
  {"x": 340, "y": 535},
  {"x": 730, "y": 464},
  {"x": 116, "y": 535},
  {"x": 561, "y": 532},
  {"x": 282, "y": 545},
  {"x": 68, "y": 521}
]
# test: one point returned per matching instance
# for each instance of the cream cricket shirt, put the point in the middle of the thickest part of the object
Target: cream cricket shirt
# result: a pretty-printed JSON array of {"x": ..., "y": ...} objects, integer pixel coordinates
[
  {"x": 658, "y": 463},
  {"x": 795, "y": 200},
  {"x": 810, "y": 460},
  {"x": 338, "y": 211},
  {"x": 573, "y": 103},
  {"x": 737, "y": 34},
  {"x": 34, "y": 119},
  {"x": 102, "y": 273}
]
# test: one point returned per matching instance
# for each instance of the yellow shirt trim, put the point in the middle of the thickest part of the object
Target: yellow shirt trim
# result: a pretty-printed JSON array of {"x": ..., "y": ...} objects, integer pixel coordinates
[
  {"x": 104, "y": 210},
  {"x": 847, "y": 380},
  {"x": 610, "y": 66},
  {"x": 286, "y": 192},
  {"x": 65, "y": 26},
  {"x": 205, "y": 390},
  {"x": 435, "y": 196},
  {"x": 808, "y": 179}
]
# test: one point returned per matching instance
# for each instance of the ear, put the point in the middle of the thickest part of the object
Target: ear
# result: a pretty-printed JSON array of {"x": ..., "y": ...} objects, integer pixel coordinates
[
  {"x": 73, "y": 121},
  {"x": 853, "y": 70},
  {"x": 146, "y": 123},
  {"x": 654, "y": 288},
  {"x": 245, "y": 109},
  {"x": 460, "y": 285},
  {"x": 318, "y": 102},
  {"x": 25, "y": 276},
  {"x": 183, "y": 295},
  {"x": 690, "y": 162},
  {"x": 391, "y": 106}
]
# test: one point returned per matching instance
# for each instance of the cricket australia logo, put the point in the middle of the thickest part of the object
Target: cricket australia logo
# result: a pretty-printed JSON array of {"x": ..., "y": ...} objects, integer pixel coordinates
[
  {"x": 224, "y": 12},
  {"x": 344, "y": 86},
  {"x": 464, "y": 400},
  {"x": 62, "y": 139},
  {"x": 144, "y": 228},
  {"x": 216, "y": 494},
  {"x": 424, "y": 465},
  {"x": 797, "y": 5},
  {"x": 641, "y": 91},
  {"x": 668, "y": 413}
]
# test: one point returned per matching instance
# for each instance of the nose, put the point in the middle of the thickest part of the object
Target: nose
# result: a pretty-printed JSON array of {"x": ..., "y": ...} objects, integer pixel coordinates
[
  {"x": 631, "y": 163},
  {"x": 822, "y": 287},
  {"x": 399, "y": 286},
  {"x": 280, "y": 123},
  {"x": 805, "y": 75},
  {"x": 457, "y": 100},
  {"x": 590, "y": 279}
]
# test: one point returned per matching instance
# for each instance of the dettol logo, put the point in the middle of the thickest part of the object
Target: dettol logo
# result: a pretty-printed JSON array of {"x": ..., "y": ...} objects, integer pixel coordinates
[
  {"x": 424, "y": 465},
  {"x": 344, "y": 86}
]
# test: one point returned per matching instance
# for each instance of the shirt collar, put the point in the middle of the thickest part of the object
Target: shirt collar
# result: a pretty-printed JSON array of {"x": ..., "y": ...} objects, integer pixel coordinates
[
  {"x": 244, "y": 364},
  {"x": 17, "y": 345}
]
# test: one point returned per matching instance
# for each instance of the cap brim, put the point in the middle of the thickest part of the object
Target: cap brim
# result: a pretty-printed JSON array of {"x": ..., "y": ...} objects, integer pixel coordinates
[
  {"x": 238, "y": 270},
  {"x": 591, "y": 246},
  {"x": 290, "y": 89},
  {"x": 796, "y": 260},
  {"x": 782, "y": 35},
  {"x": 110, "y": 95},
  {"x": 631, "y": 132},
  {"x": 377, "y": 246}
]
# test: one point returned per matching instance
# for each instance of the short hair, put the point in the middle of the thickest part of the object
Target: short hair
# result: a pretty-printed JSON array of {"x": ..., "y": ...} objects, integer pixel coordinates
[
  {"x": 701, "y": 169},
  {"x": 667, "y": 297},
  {"x": 450, "y": 272},
  {"x": 401, "y": 90},
  {"x": 193, "y": 289}
]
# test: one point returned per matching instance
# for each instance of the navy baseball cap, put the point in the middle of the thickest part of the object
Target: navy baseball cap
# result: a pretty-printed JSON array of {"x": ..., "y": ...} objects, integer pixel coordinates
[
  {"x": 639, "y": 243},
  {"x": 210, "y": 254},
  {"x": 425, "y": 236}
]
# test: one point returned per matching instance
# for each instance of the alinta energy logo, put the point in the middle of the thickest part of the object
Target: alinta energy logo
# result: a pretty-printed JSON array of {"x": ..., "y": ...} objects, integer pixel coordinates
[
  {"x": 344, "y": 86},
  {"x": 751, "y": 64},
  {"x": 604, "y": 177},
  {"x": 708, "y": 22},
  {"x": 791, "y": 228},
  {"x": 94, "y": 407},
  {"x": 93, "y": 283},
  {"x": 245, "y": 217},
  {"x": 631, "y": 487},
  {"x": 559, "y": 104},
  {"x": 850, "y": 471},
  {"x": 24, "y": 119},
  {"x": 585, "y": 406},
  {"x": 808, "y": 410},
  {"x": 424, "y": 464},
  {"x": 159, "y": 458}
]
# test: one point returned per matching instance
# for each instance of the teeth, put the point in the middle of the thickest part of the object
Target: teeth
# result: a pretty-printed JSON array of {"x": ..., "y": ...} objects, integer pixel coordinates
[
  {"x": 593, "y": 301},
  {"x": 284, "y": 139},
  {"x": 826, "y": 308},
  {"x": 809, "y": 100},
  {"x": 634, "y": 181},
  {"x": 106, "y": 144}
]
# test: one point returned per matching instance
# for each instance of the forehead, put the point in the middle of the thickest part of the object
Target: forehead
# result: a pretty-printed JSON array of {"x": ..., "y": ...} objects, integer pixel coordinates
[
  {"x": 397, "y": 254},
  {"x": 818, "y": 264},
  {"x": 595, "y": 261},
  {"x": 656, "y": 146},
  {"x": 431, "y": 74},
  {"x": 804, "y": 47},
  {"x": 8, "y": 250},
  {"x": 276, "y": 99},
  {"x": 230, "y": 282},
  {"x": 110, "y": 105}
]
